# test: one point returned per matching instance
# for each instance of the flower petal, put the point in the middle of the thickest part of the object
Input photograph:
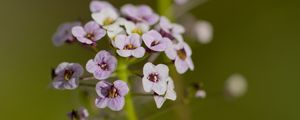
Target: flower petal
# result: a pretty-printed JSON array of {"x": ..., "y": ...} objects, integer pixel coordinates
[
  {"x": 147, "y": 84},
  {"x": 116, "y": 104},
  {"x": 148, "y": 69},
  {"x": 91, "y": 66},
  {"x": 181, "y": 66},
  {"x": 124, "y": 53},
  {"x": 102, "y": 88},
  {"x": 101, "y": 102},
  {"x": 122, "y": 87},
  {"x": 138, "y": 52},
  {"x": 159, "y": 101},
  {"x": 160, "y": 87},
  {"x": 120, "y": 41},
  {"x": 78, "y": 31}
]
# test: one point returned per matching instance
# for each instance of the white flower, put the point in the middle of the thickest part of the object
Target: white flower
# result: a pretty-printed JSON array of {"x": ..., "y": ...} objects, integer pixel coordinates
[
  {"x": 170, "y": 94},
  {"x": 116, "y": 29},
  {"x": 203, "y": 31},
  {"x": 107, "y": 16},
  {"x": 155, "y": 78},
  {"x": 236, "y": 85},
  {"x": 138, "y": 28}
]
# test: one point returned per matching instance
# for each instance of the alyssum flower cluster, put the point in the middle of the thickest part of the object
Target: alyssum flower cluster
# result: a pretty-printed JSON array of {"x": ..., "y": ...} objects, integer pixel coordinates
[{"x": 134, "y": 32}]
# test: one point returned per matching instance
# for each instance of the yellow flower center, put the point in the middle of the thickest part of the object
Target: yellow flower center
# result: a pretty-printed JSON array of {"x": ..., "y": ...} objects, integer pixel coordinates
[
  {"x": 129, "y": 47},
  {"x": 108, "y": 21},
  {"x": 137, "y": 31},
  {"x": 181, "y": 54},
  {"x": 113, "y": 93},
  {"x": 68, "y": 74}
]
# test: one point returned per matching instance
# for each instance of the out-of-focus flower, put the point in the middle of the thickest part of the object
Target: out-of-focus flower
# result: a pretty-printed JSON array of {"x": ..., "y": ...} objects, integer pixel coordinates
[
  {"x": 236, "y": 85},
  {"x": 203, "y": 31},
  {"x": 170, "y": 30},
  {"x": 170, "y": 94},
  {"x": 89, "y": 34},
  {"x": 181, "y": 54},
  {"x": 63, "y": 33},
  {"x": 111, "y": 95},
  {"x": 116, "y": 29},
  {"x": 138, "y": 28},
  {"x": 155, "y": 41},
  {"x": 129, "y": 46},
  {"x": 81, "y": 114},
  {"x": 106, "y": 17},
  {"x": 155, "y": 78},
  {"x": 200, "y": 93},
  {"x": 141, "y": 13},
  {"x": 102, "y": 65},
  {"x": 67, "y": 75},
  {"x": 97, "y": 6},
  {"x": 181, "y": 2}
]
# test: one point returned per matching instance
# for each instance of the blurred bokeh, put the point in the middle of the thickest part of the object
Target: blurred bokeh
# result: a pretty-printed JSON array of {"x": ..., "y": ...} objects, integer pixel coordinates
[{"x": 256, "y": 38}]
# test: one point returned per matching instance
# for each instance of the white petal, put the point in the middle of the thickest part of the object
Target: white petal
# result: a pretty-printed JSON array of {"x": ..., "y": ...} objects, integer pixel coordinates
[
  {"x": 148, "y": 69},
  {"x": 138, "y": 52},
  {"x": 163, "y": 71},
  {"x": 160, "y": 87},
  {"x": 124, "y": 53},
  {"x": 147, "y": 85},
  {"x": 159, "y": 101},
  {"x": 181, "y": 66}
]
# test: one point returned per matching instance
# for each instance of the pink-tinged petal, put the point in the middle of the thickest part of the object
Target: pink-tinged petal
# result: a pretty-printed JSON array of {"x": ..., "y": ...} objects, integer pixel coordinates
[
  {"x": 159, "y": 101},
  {"x": 71, "y": 84},
  {"x": 91, "y": 66},
  {"x": 97, "y": 6},
  {"x": 91, "y": 26},
  {"x": 180, "y": 66},
  {"x": 178, "y": 29},
  {"x": 101, "y": 74},
  {"x": 61, "y": 67},
  {"x": 78, "y": 70},
  {"x": 129, "y": 10},
  {"x": 124, "y": 53},
  {"x": 165, "y": 24},
  {"x": 171, "y": 52},
  {"x": 101, "y": 102},
  {"x": 135, "y": 40},
  {"x": 101, "y": 88},
  {"x": 78, "y": 31},
  {"x": 145, "y": 9},
  {"x": 120, "y": 41},
  {"x": 138, "y": 52},
  {"x": 116, "y": 104},
  {"x": 99, "y": 33},
  {"x": 148, "y": 69},
  {"x": 84, "y": 40},
  {"x": 152, "y": 19},
  {"x": 160, "y": 87},
  {"x": 187, "y": 49},
  {"x": 190, "y": 63},
  {"x": 122, "y": 87},
  {"x": 58, "y": 84},
  {"x": 170, "y": 94},
  {"x": 163, "y": 71},
  {"x": 147, "y": 84},
  {"x": 178, "y": 37},
  {"x": 148, "y": 39},
  {"x": 101, "y": 56}
]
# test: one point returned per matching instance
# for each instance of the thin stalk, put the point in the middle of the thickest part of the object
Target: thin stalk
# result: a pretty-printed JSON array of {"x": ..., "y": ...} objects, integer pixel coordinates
[{"x": 123, "y": 74}]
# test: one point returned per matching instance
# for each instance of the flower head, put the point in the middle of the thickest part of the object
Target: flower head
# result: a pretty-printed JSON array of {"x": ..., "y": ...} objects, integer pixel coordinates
[
  {"x": 64, "y": 33},
  {"x": 170, "y": 30},
  {"x": 203, "y": 31},
  {"x": 141, "y": 13},
  {"x": 181, "y": 53},
  {"x": 111, "y": 95},
  {"x": 88, "y": 34},
  {"x": 155, "y": 41},
  {"x": 96, "y": 6},
  {"x": 155, "y": 78},
  {"x": 170, "y": 94},
  {"x": 102, "y": 65},
  {"x": 129, "y": 46},
  {"x": 106, "y": 17},
  {"x": 138, "y": 28},
  {"x": 67, "y": 75},
  {"x": 81, "y": 114},
  {"x": 236, "y": 86}
]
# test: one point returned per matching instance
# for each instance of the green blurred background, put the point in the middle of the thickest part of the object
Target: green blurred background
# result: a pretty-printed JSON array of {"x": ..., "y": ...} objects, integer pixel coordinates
[{"x": 257, "y": 38}]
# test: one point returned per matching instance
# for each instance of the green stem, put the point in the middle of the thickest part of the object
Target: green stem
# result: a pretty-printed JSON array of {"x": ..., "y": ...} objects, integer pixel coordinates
[{"x": 123, "y": 74}]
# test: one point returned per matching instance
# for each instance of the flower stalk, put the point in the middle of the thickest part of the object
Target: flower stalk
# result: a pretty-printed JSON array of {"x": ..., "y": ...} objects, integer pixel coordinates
[{"x": 123, "y": 74}]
